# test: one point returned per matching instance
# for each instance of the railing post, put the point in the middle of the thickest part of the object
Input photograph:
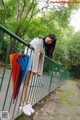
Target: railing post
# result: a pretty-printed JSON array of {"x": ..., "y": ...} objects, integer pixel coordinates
[{"x": 51, "y": 78}]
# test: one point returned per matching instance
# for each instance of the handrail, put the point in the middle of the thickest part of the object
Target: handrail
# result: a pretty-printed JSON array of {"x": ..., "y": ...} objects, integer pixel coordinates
[
  {"x": 15, "y": 36},
  {"x": 55, "y": 63}
]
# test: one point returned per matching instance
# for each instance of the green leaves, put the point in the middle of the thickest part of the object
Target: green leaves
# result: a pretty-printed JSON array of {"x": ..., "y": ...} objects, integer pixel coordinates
[{"x": 25, "y": 19}]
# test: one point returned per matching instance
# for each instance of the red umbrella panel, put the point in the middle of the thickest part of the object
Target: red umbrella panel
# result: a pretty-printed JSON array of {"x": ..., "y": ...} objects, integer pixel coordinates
[{"x": 16, "y": 70}]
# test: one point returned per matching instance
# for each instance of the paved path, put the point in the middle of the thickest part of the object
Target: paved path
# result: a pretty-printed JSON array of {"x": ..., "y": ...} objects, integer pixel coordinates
[{"x": 62, "y": 104}]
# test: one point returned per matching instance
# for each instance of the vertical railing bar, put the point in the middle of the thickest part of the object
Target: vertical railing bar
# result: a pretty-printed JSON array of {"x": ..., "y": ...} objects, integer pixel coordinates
[
  {"x": 4, "y": 69},
  {"x": 15, "y": 80},
  {"x": 38, "y": 88},
  {"x": 45, "y": 74},
  {"x": 40, "y": 78},
  {"x": 31, "y": 88},
  {"x": 47, "y": 84},
  {"x": 6, "y": 93},
  {"x": 23, "y": 86},
  {"x": 17, "y": 95},
  {"x": 14, "y": 107},
  {"x": 44, "y": 85},
  {"x": 21, "y": 96},
  {"x": 29, "y": 81},
  {"x": 15, "y": 101},
  {"x": 22, "y": 90},
  {"x": 34, "y": 86},
  {"x": 9, "y": 79},
  {"x": 2, "y": 38},
  {"x": 48, "y": 78},
  {"x": 31, "y": 92}
]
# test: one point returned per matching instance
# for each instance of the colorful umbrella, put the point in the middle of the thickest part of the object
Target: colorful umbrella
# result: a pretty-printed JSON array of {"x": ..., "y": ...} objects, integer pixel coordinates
[{"x": 20, "y": 66}]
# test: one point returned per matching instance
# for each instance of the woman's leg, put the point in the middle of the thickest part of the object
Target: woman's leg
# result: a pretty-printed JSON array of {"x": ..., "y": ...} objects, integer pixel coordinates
[
  {"x": 24, "y": 87},
  {"x": 26, "y": 107}
]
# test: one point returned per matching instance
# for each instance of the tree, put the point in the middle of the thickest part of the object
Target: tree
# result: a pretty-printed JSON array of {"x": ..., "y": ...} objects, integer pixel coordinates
[
  {"x": 27, "y": 20},
  {"x": 74, "y": 54}
]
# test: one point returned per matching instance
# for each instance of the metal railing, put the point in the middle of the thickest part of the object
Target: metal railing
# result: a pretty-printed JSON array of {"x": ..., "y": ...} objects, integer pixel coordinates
[{"x": 39, "y": 86}]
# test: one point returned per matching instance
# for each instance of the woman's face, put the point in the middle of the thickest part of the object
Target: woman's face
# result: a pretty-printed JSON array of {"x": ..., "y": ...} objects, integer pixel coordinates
[{"x": 48, "y": 40}]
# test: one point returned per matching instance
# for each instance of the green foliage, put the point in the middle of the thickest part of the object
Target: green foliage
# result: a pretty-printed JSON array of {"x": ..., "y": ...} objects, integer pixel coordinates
[{"x": 74, "y": 54}]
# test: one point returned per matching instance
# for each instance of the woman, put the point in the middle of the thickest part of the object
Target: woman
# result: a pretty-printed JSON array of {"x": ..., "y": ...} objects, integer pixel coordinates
[{"x": 42, "y": 46}]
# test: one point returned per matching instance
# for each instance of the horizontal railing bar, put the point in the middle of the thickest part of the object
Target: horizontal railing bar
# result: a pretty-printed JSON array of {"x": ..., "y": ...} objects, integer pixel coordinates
[
  {"x": 56, "y": 63},
  {"x": 15, "y": 36}
]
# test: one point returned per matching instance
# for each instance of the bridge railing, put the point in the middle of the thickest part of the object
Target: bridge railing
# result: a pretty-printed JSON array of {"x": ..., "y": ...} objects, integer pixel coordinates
[{"x": 39, "y": 86}]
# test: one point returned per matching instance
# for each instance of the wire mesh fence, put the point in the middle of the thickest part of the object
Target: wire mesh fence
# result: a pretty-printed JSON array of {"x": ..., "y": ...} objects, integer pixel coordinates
[{"x": 39, "y": 86}]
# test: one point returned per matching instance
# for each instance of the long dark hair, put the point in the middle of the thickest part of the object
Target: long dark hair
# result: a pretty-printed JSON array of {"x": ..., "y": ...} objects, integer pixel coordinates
[{"x": 49, "y": 48}]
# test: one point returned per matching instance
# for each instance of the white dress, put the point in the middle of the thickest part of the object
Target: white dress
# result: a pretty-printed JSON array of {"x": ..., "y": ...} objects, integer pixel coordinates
[{"x": 37, "y": 56}]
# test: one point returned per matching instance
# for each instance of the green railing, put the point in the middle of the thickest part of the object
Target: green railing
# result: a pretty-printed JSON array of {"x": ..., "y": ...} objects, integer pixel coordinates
[{"x": 39, "y": 86}]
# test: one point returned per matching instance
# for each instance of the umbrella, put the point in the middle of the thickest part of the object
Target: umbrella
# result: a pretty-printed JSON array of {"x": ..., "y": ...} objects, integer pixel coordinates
[{"x": 19, "y": 70}]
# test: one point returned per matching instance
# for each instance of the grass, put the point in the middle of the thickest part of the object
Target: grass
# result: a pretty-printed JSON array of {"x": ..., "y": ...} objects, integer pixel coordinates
[
  {"x": 21, "y": 117},
  {"x": 69, "y": 95}
]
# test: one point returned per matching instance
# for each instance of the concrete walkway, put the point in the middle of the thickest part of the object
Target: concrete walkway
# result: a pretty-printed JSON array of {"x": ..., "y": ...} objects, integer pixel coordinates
[{"x": 62, "y": 104}]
